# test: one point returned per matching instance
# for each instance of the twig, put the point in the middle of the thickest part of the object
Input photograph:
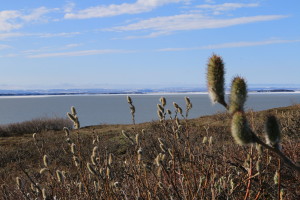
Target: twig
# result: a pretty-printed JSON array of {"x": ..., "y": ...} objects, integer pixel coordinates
[
  {"x": 250, "y": 175},
  {"x": 285, "y": 159}
]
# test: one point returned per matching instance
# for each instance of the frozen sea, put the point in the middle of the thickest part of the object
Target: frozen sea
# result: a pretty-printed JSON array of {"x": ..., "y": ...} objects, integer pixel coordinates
[{"x": 113, "y": 109}]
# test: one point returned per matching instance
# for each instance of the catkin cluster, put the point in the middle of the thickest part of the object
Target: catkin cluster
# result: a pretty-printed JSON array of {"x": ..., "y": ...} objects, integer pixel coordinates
[
  {"x": 240, "y": 129},
  {"x": 74, "y": 118}
]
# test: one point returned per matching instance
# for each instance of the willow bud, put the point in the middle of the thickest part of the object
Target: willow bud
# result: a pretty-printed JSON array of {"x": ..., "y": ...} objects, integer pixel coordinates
[
  {"x": 238, "y": 95},
  {"x": 46, "y": 160},
  {"x": 67, "y": 131},
  {"x": 215, "y": 79},
  {"x": 91, "y": 168},
  {"x": 240, "y": 129},
  {"x": 129, "y": 100},
  {"x": 272, "y": 130},
  {"x": 71, "y": 117},
  {"x": 163, "y": 101},
  {"x": 19, "y": 182},
  {"x": 175, "y": 105},
  {"x": 73, "y": 110},
  {"x": 160, "y": 108}
]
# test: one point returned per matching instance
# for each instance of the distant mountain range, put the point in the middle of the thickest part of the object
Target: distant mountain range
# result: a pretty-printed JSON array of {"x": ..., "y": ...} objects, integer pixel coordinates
[{"x": 128, "y": 91}]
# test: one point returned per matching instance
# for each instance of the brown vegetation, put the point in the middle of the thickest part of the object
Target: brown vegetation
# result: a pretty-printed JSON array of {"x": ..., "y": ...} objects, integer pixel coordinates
[
  {"x": 34, "y": 126},
  {"x": 173, "y": 158}
]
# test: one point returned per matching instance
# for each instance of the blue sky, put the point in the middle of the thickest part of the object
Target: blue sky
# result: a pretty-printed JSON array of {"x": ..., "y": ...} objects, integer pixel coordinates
[{"x": 146, "y": 43}]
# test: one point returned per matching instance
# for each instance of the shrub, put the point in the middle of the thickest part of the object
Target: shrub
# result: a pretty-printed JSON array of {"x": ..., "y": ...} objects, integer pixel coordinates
[
  {"x": 240, "y": 129},
  {"x": 34, "y": 126}
]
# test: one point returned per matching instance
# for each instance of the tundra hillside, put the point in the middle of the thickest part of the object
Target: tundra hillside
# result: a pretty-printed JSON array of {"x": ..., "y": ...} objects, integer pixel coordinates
[{"x": 179, "y": 159}]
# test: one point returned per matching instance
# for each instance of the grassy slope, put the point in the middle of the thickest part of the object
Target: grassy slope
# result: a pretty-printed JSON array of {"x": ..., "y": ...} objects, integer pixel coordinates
[{"x": 21, "y": 149}]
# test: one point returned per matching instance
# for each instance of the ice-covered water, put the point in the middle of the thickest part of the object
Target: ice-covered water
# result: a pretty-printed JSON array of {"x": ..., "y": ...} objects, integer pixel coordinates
[{"x": 113, "y": 109}]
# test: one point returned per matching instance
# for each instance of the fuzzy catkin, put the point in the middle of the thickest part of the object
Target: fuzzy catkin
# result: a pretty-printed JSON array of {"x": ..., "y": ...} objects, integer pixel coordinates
[
  {"x": 163, "y": 101},
  {"x": 19, "y": 183},
  {"x": 67, "y": 131},
  {"x": 272, "y": 130},
  {"x": 188, "y": 103},
  {"x": 91, "y": 168},
  {"x": 258, "y": 166},
  {"x": 80, "y": 187},
  {"x": 127, "y": 136},
  {"x": 137, "y": 139},
  {"x": 110, "y": 159},
  {"x": 73, "y": 148},
  {"x": 175, "y": 105},
  {"x": 160, "y": 108},
  {"x": 108, "y": 172},
  {"x": 177, "y": 121},
  {"x": 204, "y": 140},
  {"x": 46, "y": 160},
  {"x": 187, "y": 100},
  {"x": 76, "y": 161},
  {"x": 160, "y": 114},
  {"x": 139, "y": 152},
  {"x": 44, "y": 193},
  {"x": 95, "y": 150},
  {"x": 210, "y": 140},
  {"x": 129, "y": 100},
  {"x": 162, "y": 147},
  {"x": 73, "y": 110},
  {"x": 240, "y": 129},
  {"x": 215, "y": 79},
  {"x": 169, "y": 112},
  {"x": 59, "y": 176},
  {"x": 171, "y": 153},
  {"x": 238, "y": 95},
  {"x": 43, "y": 170},
  {"x": 93, "y": 160},
  {"x": 179, "y": 110},
  {"x": 71, "y": 117},
  {"x": 276, "y": 177}
]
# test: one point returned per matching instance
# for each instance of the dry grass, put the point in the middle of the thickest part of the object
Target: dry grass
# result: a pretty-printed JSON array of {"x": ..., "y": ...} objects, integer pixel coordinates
[{"x": 193, "y": 159}]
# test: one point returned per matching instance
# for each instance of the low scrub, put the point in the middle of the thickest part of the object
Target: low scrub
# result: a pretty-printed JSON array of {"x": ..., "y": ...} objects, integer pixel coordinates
[
  {"x": 34, "y": 126},
  {"x": 173, "y": 158}
]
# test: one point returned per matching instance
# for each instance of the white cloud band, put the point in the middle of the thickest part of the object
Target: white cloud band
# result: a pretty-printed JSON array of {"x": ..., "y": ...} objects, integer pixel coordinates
[
  {"x": 79, "y": 53},
  {"x": 231, "y": 45},
  {"x": 139, "y": 6}
]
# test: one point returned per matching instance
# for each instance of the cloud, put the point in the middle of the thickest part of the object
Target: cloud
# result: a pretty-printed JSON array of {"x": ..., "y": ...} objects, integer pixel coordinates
[
  {"x": 10, "y": 35},
  {"x": 68, "y": 46},
  {"x": 14, "y": 19},
  {"x": 4, "y": 36},
  {"x": 209, "y": 1},
  {"x": 80, "y": 53},
  {"x": 7, "y": 18},
  {"x": 44, "y": 49},
  {"x": 185, "y": 22},
  {"x": 9, "y": 55},
  {"x": 139, "y": 6},
  {"x": 219, "y": 8},
  {"x": 36, "y": 14},
  {"x": 32, "y": 51},
  {"x": 248, "y": 44},
  {"x": 178, "y": 49},
  {"x": 4, "y": 46},
  {"x": 63, "y": 34},
  {"x": 69, "y": 7},
  {"x": 232, "y": 45},
  {"x": 151, "y": 35}
]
